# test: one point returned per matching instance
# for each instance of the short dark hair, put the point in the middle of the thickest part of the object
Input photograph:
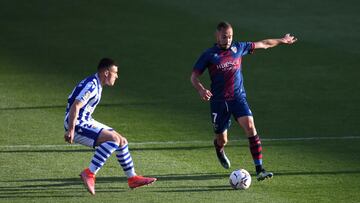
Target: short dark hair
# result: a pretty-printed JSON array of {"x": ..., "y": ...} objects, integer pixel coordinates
[
  {"x": 106, "y": 63},
  {"x": 223, "y": 25}
]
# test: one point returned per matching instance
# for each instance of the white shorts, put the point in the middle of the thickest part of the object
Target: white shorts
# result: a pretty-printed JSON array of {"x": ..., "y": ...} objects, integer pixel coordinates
[{"x": 88, "y": 132}]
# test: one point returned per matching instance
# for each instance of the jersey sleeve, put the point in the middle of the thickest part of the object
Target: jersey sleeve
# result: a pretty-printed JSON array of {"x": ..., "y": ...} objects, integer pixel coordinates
[
  {"x": 201, "y": 64},
  {"x": 87, "y": 92},
  {"x": 246, "y": 48}
]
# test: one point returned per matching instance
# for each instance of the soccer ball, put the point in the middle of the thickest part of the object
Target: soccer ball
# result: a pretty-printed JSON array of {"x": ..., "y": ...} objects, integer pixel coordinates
[{"x": 240, "y": 179}]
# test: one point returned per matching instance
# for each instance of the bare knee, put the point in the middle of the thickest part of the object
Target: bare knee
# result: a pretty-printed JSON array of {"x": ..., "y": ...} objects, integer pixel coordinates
[
  {"x": 119, "y": 139},
  {"x": 123, "y": 141},
  {"x": 111, "y": 136},
  {"x": 247, "y": 123},
  {"x": 250, "y": 130}
]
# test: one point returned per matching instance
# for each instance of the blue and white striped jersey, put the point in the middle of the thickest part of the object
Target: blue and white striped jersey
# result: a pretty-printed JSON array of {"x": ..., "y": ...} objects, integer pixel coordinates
[{"x": 88, "y": 91}]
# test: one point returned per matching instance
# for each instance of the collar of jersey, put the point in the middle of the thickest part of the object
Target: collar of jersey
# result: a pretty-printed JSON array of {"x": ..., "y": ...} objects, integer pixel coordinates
[{"x": 217, "y": 47}]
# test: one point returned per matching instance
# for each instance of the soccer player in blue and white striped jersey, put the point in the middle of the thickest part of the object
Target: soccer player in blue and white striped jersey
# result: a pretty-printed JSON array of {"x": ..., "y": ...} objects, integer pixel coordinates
[{"x": 81, "y": 128}]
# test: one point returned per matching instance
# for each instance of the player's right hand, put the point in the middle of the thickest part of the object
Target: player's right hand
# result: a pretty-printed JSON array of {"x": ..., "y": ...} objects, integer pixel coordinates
[
  {"x": 205, "y": 94},
  {"x": 69, "y": 136}
]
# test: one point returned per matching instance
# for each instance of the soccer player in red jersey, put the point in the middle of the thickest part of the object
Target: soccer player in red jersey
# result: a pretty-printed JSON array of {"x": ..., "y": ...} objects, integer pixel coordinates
[{"x": 227, "y": 95}]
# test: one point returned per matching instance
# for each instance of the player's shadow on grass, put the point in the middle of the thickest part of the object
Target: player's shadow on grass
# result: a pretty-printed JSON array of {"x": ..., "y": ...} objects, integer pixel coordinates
[
  {"x": 198, "y": 189},
  {"x": 193, "y": 176},
  {"x": 55, "y": 187},
  {"x": 73, "y": 187},
  {"x": 194, "y": 189},
  {"x": 310, "y": 173},
  {"x": 62, "y": 182}
]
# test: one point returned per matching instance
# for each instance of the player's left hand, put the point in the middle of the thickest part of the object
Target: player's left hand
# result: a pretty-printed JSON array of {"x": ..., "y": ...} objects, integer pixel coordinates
[{"x": 289, "y": 39}]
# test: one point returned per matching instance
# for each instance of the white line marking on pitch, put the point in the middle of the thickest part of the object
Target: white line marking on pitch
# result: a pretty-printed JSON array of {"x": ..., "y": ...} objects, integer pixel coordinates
[{"x": 188, "y": 142}]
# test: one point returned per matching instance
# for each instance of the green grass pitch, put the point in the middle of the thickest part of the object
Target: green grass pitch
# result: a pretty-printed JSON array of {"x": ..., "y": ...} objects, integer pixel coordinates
[{"x": 297, "y": 93}]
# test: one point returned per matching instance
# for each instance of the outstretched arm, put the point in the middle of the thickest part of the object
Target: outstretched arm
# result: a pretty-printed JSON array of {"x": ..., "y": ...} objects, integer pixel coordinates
[
  {"x": 204, "y": 93},
  {"x": 268, "y": 43}
]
